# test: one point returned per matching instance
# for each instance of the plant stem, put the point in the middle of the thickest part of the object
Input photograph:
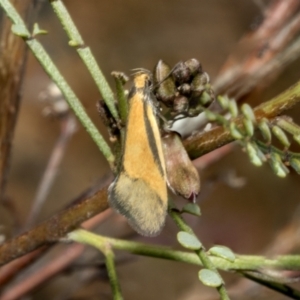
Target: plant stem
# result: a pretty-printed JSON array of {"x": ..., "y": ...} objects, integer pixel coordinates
[
  {"x": 241, "y": 264},
  {"x": 205, "y": 142},
  {"x": 85, "y": 54},
  {"x": 46, "y": 62},
  {"x": 86, "y": 237},
  {"x": 205, "y": 260}
]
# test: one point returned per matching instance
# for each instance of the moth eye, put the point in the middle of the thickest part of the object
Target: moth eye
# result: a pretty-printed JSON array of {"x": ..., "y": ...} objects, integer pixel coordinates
[{"x": 148, "y": 82}]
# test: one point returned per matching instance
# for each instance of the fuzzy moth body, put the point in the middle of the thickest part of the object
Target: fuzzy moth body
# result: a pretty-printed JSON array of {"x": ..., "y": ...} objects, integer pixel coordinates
[{"x": 139, "y": 192}]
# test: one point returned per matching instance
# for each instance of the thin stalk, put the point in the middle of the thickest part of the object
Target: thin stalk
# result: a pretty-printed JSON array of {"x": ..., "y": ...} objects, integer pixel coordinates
[
  {"x": 242, "y": 264},
  {"x": 86, "y": 55},
  {"x": 88, "y": 238},
  {"x": 50, "y": 68},
  {"x": 68, "y": 127}
]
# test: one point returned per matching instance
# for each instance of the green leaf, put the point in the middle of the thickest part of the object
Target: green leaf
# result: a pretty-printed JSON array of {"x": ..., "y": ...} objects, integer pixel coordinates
[
  {"x": 233, "y": 108},
  {"x": 192, "y": 208},
  {"x": 210, "y": 116},
  {"x": 20, "y": 30},
  {"x": 281, "y": 136},
  {"x": 74, "y": 43},
  {"x": 37, "y": 30},
  {"x": 253, "y": 154},
  {"x": 188, "y": 240},
  {"x": 210, "y": 278},
  {"x": 223, "y": 252},
  {"x": 235, "y": 132},
  {"x": 277, "y": 165},
  {"x": 295, "y": 164},
  {"x": 248, "y": 112}
]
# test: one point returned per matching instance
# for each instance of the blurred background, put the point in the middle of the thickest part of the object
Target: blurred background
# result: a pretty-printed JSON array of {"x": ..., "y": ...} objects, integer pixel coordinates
[{"x": 136, "y": 34}]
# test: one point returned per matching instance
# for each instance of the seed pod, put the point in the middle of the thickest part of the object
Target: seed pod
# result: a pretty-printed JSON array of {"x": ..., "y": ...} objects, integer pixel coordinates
[
  {"x": 166, "y": 89},
  {"x": 184, "y": 89},
  {"x": 196, "y": 106},
  {"x": 223, "y": 101},
  {"x": 295, "y": 164},
  {"x": 296, "y": 138},
  {"x": 194, "y": 66},
  {"x": 199, "y": 83},
  {"x": 183, "y": 177},
  {"x": 233, "y": 109},
  {"x": 281, "y": 136},
  {"x": 235, "y": 132},
  {"x": 180, "y": 104},
  {"x": 287, "y": 124},
  {"x": 249, "y": 127},
  {"x": 248, "y": 112},
  {"x": 277, "y": 165},
  {"x": 207, "y": 97},
  {"x": 210, "y": 116},
  {"x": 265, "y": 130},
  {"x": 181, "y": 73},
  {"x": 254, "y": 155}
]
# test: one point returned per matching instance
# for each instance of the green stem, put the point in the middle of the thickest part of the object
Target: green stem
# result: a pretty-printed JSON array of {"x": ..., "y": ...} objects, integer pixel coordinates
[
  {"x": 241, "y": 264},
  {"x": 86, "y": 55},
  {"x": 103, "y": 244},
  {"x": 46, "y": 62},
  {"x": 205, "y": 260},
  {"x": 112, "y": 274}
]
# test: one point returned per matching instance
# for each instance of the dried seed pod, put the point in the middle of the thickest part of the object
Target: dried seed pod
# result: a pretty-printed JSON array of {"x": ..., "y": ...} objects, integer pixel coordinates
[
  {"x": 166, "y": 89},
  {"x": 194, "y": 66},
  {"x": 181, "y": 73},
  {"x": 180, "y": 104},
  {"x": 184, "y": 89},
  {"x": 196, "y": 106},
  {"x": 183, "y": 177},
  {"x": 199, "y": 83}
]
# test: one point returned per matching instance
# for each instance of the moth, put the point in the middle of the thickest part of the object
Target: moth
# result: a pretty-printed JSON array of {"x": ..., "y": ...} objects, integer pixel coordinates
[{"x": 139, "y": 191}]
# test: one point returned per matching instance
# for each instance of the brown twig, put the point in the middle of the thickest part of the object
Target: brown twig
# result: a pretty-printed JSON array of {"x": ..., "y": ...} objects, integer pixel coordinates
[
  {"x": 68, "y": 127},
  {"x": 54, "y": 228},
  {"x": 258, "y": 47},
  {"x": 205, "y": 142},
  {"x": 9, "y": 271},
  {"x": 53, "y": 267},
  {"x": 12, "y": 62}
]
